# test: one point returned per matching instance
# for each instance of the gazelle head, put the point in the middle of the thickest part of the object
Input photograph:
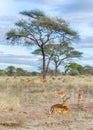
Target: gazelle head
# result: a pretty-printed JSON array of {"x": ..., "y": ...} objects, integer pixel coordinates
[
  {"x": 65, "y": 101},
  {"x": 61, "y": 94}
]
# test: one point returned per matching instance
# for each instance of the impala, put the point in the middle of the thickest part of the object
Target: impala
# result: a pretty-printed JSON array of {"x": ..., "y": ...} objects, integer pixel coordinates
[
  {"x": 61, "y": 94},
  {"x": 80, "y": 96},
  {"x": 57, "y": 108}
]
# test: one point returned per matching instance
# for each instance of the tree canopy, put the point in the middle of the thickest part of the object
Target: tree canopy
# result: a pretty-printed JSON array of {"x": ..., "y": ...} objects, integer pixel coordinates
[
  {"x": 39, "y": 29},
  {"x": 58, "y": 54},
  {"x": 74, "y": 68}
]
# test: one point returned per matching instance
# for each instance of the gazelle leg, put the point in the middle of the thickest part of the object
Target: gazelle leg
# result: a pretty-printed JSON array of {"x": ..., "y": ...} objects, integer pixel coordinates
[
  {"x": 78, "y": 102},
  {"x": 54, "y": 114},
  {"x": 64, "y": 117}
]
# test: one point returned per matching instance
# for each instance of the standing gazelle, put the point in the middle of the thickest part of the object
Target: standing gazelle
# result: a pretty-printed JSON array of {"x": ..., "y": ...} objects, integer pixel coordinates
[
  {"x": 56, "y": 108},
  {"x": 61, "y": 94},
  {"x": 80, "y": 96}
]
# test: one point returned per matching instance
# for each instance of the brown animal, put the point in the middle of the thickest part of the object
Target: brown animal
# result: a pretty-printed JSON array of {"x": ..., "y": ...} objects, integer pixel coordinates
[
  {"x": 61, "y": 94},
  {"x": 80, "y": 96},
  {"x": 7, "y": 79},
  {"x": 56, "y": 108}
]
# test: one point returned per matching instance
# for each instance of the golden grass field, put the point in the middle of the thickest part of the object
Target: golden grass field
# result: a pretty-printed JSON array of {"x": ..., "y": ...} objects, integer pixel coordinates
[{"x": 25, "y": 103}]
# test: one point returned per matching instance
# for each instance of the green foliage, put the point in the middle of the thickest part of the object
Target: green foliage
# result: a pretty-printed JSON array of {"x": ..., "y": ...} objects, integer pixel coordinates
[
  {"x": 88, "y": 69},
  {"x": 40, "y": 30},
  {"x": 3, "y": 73},
  {"x": 21, "y": 72},
  {"x": 59, "y": 53},
  {"x": 33, "y": 14},
  {"x": 74, "y": 68},
  {"x": 74, "y": 72},
  {"x": 10, "y": 70},
  {"x": 34, "y": 73}
]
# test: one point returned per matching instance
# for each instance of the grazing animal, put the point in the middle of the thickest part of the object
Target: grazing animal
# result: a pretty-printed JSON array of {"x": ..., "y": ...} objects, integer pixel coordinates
[
  {"x": 56, "y": 108},
  {"x": 80, "y": 96},
  {"x": 61, "y": 94}
]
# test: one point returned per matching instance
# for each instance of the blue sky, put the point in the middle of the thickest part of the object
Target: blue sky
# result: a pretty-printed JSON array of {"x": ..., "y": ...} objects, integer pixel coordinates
[{"x": 79, "y": 13}]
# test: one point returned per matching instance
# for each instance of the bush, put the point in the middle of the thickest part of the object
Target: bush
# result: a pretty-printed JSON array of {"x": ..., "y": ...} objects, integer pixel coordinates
[{"x": 74, "y": 72}]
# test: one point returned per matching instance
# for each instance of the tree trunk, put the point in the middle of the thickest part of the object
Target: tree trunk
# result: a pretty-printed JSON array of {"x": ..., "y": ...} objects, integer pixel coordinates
[
  {"x": 47, "y": 66},
  {"x": 56, "y": 67},
  {"x": 44, "y": 63}
]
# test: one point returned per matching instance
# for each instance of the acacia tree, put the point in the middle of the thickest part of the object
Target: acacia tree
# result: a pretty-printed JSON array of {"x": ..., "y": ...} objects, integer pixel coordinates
[
  {"x": 59, "y": 54},
  {"x": 11, "y": 70},
  {"x": 48, "y": 49},
  {"x": 38, "y": 30},
  {"x": 62, "y": 54},
  {"x": 21, "y": 72}
]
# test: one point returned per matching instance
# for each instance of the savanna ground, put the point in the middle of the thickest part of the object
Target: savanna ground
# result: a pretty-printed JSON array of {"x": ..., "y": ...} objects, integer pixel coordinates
[{"x": 25, "y": 103}]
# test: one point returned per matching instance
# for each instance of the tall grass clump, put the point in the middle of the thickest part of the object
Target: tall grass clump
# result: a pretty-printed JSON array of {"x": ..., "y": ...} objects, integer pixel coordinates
[{"x": 9, "y": 100}]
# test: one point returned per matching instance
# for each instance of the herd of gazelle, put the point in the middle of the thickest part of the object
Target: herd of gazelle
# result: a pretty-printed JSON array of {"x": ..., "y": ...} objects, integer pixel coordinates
[{"x": 63, "y": 107}]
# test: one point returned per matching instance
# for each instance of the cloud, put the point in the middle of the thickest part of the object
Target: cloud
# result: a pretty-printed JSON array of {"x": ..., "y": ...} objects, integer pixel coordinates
[
  {"x": 26, "y": 67},
  {"x": 19, "y": 61},
  {"x": 78, "y": 13},
  {"x": 18, "y": 56},
  {"x": 74, "y": 6},
  {"x": 41, "y": 1},
  {"x": 89, "y": 40}
]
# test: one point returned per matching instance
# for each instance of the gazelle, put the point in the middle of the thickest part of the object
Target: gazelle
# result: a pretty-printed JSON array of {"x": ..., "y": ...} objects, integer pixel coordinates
[
  {"x": 56, "y": 108},
  {"x": 80, "y": 96},
  {"x": 61, "y": 94}
]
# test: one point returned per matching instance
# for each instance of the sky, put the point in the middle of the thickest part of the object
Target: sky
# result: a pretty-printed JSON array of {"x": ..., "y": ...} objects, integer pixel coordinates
[{"x": 78, "y": 13}]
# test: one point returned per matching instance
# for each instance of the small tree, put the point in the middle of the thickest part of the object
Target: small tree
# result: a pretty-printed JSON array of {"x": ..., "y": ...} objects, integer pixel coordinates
[
  {"x": 63, "y": 53},
  {"x": 88, "y": 69},
  {"x": 11, "y": 70},
  {"x": 3, "y": 73},
  {"x": 59, "y": 54},
  {"x": 74, "y": 68},
  {"x": 21, "y": 72}
]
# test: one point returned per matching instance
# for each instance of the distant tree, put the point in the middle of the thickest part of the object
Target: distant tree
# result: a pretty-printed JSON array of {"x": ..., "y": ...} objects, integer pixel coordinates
[
  {"x": 59, "y": 54},
  {"x": 39, "y": 30},
  {"x": 63, "y": 53},
  {"x": 10, "y": 70},
  {"x": 88, "y": 69},
  {"x": 74, "y": 68},
  {"x": 21, "y": 72},
  {"x": 34, "y": 73},
  {"x": 3, "y": 73}
]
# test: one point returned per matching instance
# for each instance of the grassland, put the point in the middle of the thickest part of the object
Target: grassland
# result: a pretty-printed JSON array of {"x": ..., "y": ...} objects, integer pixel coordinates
[{"x": 25, "y": 103}]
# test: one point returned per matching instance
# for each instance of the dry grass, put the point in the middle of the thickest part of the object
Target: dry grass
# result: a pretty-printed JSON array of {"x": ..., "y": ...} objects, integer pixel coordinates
[
  {"x": 28, "y": 100},
  {"x": 11, "y": 124}
]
